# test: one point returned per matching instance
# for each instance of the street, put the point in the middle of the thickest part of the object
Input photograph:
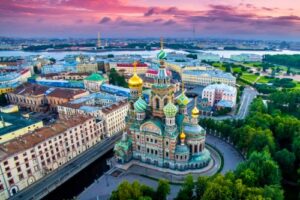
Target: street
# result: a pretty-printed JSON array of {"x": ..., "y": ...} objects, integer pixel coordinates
[
  {"x": 51, "y": 181},
  {"x": 248, "y": 95}
]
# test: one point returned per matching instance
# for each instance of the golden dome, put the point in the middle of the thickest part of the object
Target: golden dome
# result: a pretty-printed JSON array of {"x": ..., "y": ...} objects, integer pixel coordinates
[
  {"x": 135, "y": 81},
  {"x": 182, "y": 136},
  {"x": 195, "y": 112}
]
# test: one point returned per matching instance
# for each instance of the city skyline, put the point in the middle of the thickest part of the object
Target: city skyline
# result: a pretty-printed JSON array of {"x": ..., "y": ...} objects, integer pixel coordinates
[{"x": 240, "y": 19}]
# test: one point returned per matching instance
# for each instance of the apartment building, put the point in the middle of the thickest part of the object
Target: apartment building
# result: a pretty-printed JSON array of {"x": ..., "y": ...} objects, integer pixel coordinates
[
  {"x": 28, "y": 158},
  {"x": 39, "y": 98},
  {"x": 220, "y": 95},
  {"x": 111, "y": 109}
]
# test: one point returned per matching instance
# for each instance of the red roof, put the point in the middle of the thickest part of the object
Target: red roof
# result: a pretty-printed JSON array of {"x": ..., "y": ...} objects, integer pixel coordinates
[{"x": 131, "y": 65}]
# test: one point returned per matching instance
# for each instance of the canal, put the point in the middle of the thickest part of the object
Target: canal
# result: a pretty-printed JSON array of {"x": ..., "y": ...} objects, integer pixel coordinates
[{"x": 74, "y": 186}]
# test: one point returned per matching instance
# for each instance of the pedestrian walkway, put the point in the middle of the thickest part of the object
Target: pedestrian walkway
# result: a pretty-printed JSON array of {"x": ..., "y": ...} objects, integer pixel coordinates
[{"x": 102, "y": 188}]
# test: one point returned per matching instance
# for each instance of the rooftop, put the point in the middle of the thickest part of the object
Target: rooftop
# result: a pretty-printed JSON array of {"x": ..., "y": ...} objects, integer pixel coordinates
[
  {"x": 210, "y": 73},
  {"x": 222, "y": 87},
  {"x": 39, "y": 135},
  {"x": 95, "y": 77},
  {"x": 13, "y": 122}
]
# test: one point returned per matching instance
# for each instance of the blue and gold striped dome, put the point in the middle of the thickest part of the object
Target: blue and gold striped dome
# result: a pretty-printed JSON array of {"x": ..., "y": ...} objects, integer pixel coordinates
[{"x": 140, "y": 105}]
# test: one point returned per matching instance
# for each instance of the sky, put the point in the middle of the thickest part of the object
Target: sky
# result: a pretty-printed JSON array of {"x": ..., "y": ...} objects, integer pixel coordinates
[{"x": 236, "y": 19}]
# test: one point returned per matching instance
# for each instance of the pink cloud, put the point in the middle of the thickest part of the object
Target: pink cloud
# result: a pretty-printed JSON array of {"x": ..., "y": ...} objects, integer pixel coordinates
[{"x": 85, "y": 17}]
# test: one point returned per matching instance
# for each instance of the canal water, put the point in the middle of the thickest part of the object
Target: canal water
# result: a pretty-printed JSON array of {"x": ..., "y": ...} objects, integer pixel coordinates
[{"x": 74, "y": 186}]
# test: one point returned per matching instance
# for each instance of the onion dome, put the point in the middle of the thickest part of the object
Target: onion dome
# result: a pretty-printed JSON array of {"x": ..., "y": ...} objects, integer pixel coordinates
[
  {"x": 182, "y": 100},
  {"x": 182, "y": 136},
  {"x": 162, "y": 55},
  {"x": 193, "y": 130},
  {"x": 195, "y": 112},
  {"x": 140, "y": 105},
  {"x": 181, "y": 149},
  {"x": 170, "y": 110},
  {"x": 135, "y": 81}
]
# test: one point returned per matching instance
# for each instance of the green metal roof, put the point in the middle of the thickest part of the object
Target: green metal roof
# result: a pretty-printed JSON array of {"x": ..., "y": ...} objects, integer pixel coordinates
[
  {"x": 14, "y": 121},
  {"x": 182, "y": 149},
  {"x": 95, "y": 77}
]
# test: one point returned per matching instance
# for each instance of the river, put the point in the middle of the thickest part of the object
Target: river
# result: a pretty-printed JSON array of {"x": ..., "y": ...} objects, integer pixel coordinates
[
  {"x": 61, "y": 54},
  {"x": 74, "y": 186}
]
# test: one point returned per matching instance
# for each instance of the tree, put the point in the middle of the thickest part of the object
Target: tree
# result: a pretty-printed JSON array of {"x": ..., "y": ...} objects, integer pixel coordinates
[
  {"x": 227, "y": 68},
  {"x": 273, "y": 192},
  {"x": 296, "y": 147},
  {"x": 186, "y": 191},
  {"x": 163, "y": 189},
  {"x": 201, "y": 185},
  {"x": 123, "y": 192},
  {"x": 116, "y": 79},
  {"x": 285, "y": 160},
  {"x": 219, "y": 188},
  {"x": 264, "y": 167}
]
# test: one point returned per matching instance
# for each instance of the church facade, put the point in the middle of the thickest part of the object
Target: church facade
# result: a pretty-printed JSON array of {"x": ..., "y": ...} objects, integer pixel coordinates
[{"x": 162, "y": 133}]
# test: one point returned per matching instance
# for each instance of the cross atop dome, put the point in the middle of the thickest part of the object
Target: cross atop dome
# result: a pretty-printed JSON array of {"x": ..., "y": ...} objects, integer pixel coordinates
[{"x": 162, "y": 55}]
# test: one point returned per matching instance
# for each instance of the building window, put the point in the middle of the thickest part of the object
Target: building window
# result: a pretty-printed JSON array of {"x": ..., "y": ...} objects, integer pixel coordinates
[
  {"x": 29, "y": 172},
  {"x": 6, "y": 162},
  {"x": 16, "y": 158},
  {"x": 21, "y": 176},
  {"x": 11, "y": 182},
  {"x": 167, "y": 154},
  {"x": 8, "y": 174}
]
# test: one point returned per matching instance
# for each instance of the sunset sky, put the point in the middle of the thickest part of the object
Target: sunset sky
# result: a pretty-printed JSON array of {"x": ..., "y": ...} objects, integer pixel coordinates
[{"x": 242, "y": 19}]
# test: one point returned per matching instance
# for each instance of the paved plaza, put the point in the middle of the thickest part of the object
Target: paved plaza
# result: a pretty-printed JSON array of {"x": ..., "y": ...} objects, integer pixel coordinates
[{"x": 102, "y": 188}]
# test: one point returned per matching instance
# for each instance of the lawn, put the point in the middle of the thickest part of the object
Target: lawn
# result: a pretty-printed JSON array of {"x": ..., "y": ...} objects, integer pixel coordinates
[
  {"x": 219, "y": 66},
  {"x": 297, "y": 85},
  {"x": 236, "y": 69},
  {"x": 249, "y": 77},
  {"x": 264, "y": 79}
]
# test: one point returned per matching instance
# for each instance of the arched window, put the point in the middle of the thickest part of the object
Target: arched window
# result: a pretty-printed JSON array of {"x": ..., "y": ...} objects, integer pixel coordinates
[
  {"x": 157, "y": 103},
  {"x": 165, "y": 101}
]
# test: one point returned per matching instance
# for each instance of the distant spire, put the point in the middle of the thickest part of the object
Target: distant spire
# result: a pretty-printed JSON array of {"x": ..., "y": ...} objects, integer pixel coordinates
[
  {"x": 182, "y": 87},
  {"x": 161, "y": 43},
  {"x": 99, "y": 40},
  {"x": 134, "y": 66}
]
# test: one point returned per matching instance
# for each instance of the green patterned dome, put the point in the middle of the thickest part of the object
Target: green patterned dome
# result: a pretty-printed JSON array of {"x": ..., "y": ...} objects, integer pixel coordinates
[
  {"x": 140, "y": 105},
  {"x": 182, "y": 100},
  {"x": 162, "y": 55},
  {"x": 170, "y": 110}
]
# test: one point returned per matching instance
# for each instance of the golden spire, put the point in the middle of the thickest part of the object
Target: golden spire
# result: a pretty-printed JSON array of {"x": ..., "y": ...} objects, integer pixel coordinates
[
  {"x": 161, "y": 43},
  {"x": 195, "y": 111},
  {"x": 182, "y": 87},
  {"x": 134, "y": 67}
]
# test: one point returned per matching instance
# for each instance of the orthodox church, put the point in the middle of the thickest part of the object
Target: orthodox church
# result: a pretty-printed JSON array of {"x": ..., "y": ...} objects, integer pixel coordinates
[{"x": 162, "y": 133}]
